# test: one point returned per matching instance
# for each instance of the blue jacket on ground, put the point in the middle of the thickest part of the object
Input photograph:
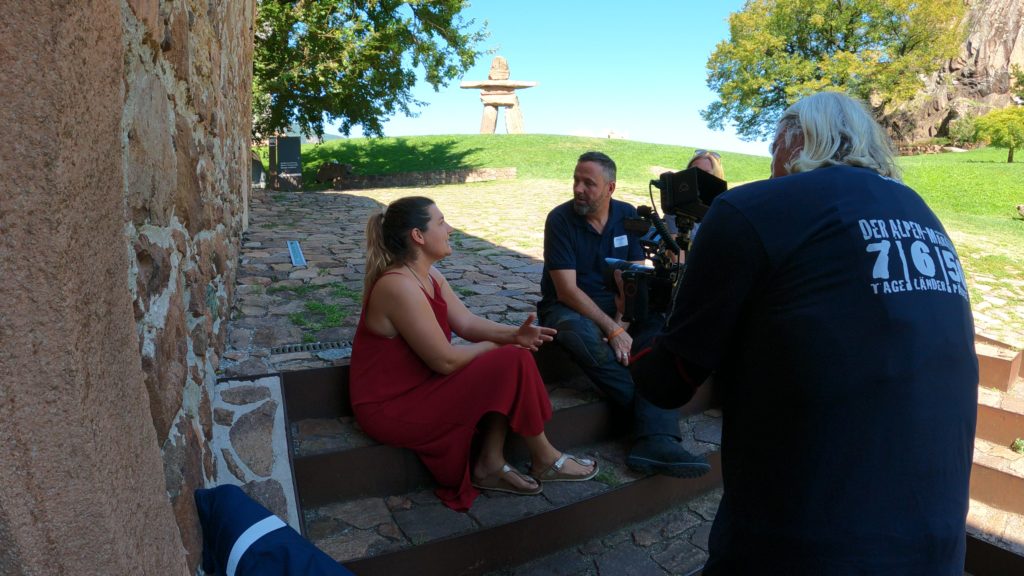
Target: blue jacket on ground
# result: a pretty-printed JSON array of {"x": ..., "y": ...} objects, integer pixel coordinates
[{"x": 242, "y": 538}]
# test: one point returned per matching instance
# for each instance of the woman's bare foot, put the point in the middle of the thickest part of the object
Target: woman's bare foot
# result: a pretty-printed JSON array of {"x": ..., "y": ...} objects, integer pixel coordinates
[
  {"x": 481, "y": 472},
  {"x": 506, "y": 479},
  {"x": 565, "y": 468}
]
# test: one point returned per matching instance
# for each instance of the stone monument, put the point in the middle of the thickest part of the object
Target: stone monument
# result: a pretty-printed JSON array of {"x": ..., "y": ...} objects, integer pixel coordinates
[{"x": 498, "y": 91}]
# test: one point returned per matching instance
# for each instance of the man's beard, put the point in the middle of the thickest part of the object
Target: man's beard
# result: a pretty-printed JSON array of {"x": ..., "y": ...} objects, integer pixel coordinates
[{"x": 583, "y": 209}]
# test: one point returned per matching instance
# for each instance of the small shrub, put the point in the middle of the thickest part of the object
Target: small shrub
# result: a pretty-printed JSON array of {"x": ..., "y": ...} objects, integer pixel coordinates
[
  {"x": 1018, "y": 446},
  {"x": 962, "y": 131}
]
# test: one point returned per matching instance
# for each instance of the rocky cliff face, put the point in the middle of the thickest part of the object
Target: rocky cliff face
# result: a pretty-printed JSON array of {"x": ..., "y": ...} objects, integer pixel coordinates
[{"x": 978, "y": 80}]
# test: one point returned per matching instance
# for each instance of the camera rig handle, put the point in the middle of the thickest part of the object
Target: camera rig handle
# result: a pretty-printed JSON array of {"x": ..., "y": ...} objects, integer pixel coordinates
[{"x": 647, "y": 213}]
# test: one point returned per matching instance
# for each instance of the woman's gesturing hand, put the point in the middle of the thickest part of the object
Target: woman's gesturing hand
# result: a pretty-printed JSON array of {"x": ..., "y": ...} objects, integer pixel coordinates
[{"x": 531, "y": 336}]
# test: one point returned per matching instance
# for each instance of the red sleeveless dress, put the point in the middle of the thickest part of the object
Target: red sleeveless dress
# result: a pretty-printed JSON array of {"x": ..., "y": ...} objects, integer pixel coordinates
[{"x": 398, "y": 400}]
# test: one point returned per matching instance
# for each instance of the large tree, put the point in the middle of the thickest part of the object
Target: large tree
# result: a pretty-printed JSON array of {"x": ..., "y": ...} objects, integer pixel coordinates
[
  {"x": 781, "y": 50},
  {"x": 353, "y": 61},
  {"x": 1003, "y": 128}
]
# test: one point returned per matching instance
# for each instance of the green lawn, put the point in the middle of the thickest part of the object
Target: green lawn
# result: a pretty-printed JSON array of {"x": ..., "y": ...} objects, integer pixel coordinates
[
  {"x": 535, "y": 156},
  {"x": 974, "y": 193}
]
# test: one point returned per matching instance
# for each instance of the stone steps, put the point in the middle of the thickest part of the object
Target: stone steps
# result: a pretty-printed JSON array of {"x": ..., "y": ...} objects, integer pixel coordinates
[
  {"x": 997, "y": 477},
  {"x": 997, "y": 527},
  {"x": 372, "y": 507},
  {"x": 390, "y": 534},
  {"x": 999, "y": 365},
  {"x": 1001, "y": 414}
]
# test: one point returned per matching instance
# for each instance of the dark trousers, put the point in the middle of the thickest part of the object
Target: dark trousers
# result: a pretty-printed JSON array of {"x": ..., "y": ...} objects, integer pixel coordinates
[{"x": 584, "y": 342}]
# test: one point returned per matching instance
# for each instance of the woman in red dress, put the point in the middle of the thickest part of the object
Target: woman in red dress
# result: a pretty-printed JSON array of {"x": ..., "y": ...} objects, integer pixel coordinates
[{"x": 411, "y": 387}]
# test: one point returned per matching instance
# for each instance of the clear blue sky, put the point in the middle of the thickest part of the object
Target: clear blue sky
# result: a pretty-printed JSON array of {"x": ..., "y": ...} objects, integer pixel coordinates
[{"x": 636, "y": 68}]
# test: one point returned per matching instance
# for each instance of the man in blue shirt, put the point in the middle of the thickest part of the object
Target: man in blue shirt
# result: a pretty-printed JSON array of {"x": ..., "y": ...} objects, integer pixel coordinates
[
  {"x": 833, "y": 311},
  {"x": 578, "y": 236}
]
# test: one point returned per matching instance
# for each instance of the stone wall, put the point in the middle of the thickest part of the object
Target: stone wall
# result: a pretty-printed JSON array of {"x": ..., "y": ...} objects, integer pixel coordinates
[
  {"x": 419, "y": 179},
  {"x": 976, "y": 81},
  {"x": 125, "y": 161},
  {"x": 251, "y": 441}
]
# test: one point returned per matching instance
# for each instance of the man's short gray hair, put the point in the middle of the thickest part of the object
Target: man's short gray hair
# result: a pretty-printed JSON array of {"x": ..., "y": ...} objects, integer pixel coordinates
[
  {"x": 837, "y": 130},
  {"x": 601, "y": 159}
]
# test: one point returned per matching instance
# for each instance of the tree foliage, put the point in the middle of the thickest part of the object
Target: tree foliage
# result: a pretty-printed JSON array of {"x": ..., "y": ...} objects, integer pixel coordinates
[
  {"x": 353, "y": 61},
  {"x": 782, "y": 50},
  {"x": 1003, "y": 128},
  {"x": 962, "y": 131},
  {"x": 1018, "y": 82}
]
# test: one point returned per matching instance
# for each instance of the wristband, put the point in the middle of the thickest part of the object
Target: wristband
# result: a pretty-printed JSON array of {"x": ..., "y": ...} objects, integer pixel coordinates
[{"x": 615, "y": 333}]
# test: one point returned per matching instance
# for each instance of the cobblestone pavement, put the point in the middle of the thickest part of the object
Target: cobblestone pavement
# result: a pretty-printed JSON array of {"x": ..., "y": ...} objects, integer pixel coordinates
[
  {"x": 288, "y": 318},
  {"x": 281, "y": 311}
]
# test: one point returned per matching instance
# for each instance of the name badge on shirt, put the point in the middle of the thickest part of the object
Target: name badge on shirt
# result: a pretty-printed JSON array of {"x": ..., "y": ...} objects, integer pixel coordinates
[{"x": 620, "y": 241}]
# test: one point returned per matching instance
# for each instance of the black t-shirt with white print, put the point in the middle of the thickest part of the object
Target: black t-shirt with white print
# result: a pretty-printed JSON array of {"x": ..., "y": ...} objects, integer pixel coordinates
[{"x": 833, "y": 309}]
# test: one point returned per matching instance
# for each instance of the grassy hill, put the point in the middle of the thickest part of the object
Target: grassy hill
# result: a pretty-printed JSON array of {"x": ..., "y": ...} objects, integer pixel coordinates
[
  {"x": 974, "y": 193},
  {"x": 535, "y": 156}
]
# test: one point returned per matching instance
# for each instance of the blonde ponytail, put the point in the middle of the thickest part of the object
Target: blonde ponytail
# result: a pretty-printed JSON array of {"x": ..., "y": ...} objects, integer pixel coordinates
[
  {"x": 377, "y": 258},
  {"x": 387, "y": 236}
]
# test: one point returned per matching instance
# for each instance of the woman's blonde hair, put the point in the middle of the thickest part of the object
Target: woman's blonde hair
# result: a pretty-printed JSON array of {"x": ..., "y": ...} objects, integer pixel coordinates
[
  {"x": 387, "y": 236},
  {"x": 716, "y": 163},
  {"x": 837, "y": 130}
]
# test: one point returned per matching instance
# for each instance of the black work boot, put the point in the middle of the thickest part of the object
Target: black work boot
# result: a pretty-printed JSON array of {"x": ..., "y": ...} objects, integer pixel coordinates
[{"x": 663, "y": 454}]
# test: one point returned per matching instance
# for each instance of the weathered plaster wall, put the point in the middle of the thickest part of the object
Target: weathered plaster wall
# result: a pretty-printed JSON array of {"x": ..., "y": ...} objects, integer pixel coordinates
[{"x": 124, "y": 166}]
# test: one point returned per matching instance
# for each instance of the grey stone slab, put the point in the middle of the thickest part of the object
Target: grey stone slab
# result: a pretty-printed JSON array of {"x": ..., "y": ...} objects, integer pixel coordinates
[
  {"x": 699, "y": 537},
  {"x": 335, "y": 354},
  {"x": 321, "y": 528},
  {"x": 489, "y": 300},
  {"x": 483, "y": 288},
  {"x": 496, "y": 508},
  {"x": 681, "y": 557},
  {"x": 316, "y": 436},
  {"x": 709, "y": 431},
  {"x": 239, "y": 337},
  {"x": 562, "y": 493},
  {"x": 431, "y": 522},
  {"x": 251, "y": 438},
  {"x": 680, "y": 522},
  {"x": 706, "y": 506},
  {"x": 249, "y": 367},
  {"x": 565, "y": 563},
  {"x": 245, "y": 394},
  {"x": 256, "y": 311},
  {"x": 270, "y": 494},
  {"x": 351, "y": 544},
  {"x": 530, "y": 269},
  {"x": 627, "y": 560},
  {"x": 363, "y": 513}
]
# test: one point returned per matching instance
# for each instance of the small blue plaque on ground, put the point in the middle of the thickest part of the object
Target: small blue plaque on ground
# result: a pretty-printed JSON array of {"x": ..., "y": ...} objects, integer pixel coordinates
[{"x": 295, "y": 251}]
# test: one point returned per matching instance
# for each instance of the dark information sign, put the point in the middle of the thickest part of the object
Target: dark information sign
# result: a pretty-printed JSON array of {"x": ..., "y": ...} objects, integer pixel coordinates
[{"x": 285, "y": 163}]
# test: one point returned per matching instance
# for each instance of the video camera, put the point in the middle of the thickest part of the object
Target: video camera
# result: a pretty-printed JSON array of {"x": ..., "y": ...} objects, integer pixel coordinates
[{"x": 686, "y": 195}]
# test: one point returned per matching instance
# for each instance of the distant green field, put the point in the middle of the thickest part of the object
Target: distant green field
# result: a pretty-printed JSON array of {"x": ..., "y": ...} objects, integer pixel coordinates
[
  {"x": 535, "y": 156},
  {"x": 974, "y": 193}
]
